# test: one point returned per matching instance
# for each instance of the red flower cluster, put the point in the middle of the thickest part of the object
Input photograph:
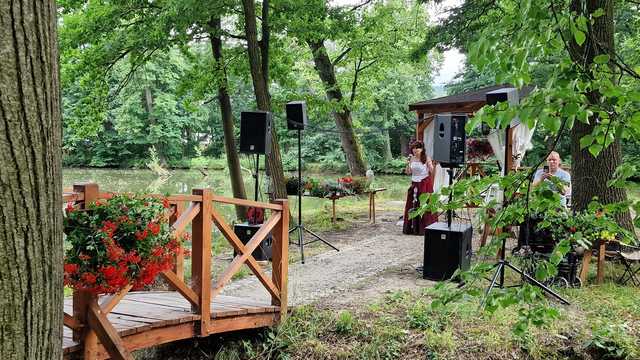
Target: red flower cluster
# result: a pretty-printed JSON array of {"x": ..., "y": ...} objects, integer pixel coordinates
[
  {"x": 134, "y": 244},
  {"x": 345, "y": 180}
]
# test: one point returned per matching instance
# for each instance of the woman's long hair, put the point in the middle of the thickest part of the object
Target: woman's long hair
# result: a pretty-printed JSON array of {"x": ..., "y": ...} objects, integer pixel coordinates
[{"x": 418, "y": 144}]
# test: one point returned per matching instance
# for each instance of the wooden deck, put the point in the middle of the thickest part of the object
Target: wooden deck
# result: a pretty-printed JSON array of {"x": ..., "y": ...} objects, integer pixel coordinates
[
  {"x": 112, "y": 326},
  {"x": 144, "y": 319}
]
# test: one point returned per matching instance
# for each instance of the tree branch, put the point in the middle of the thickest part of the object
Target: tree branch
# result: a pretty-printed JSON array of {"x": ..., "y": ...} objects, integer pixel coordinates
[{"x": 341, "y": 56}]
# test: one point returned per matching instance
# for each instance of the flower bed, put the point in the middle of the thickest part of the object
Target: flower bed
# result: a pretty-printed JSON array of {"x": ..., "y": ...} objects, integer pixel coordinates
[{"x": 123, "y": 241}]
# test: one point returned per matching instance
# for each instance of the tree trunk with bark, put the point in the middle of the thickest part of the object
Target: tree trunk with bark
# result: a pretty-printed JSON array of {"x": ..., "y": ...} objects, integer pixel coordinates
[
  {"x": 233, "y": 161},
  {"x": 31, "y": 252},
  {"x": 590, "y": 174},
  {"x": 259, "y": 76},
  {"x": 326, "y": 72},
  {"x": 388, "y": 156},
  {"x": 148, "y": 105}
]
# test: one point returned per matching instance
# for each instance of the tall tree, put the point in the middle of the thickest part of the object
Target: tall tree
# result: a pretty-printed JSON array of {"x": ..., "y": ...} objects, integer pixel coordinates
[
  {"x": 326, "y": 72},
  {"x": 31, "y": 182},
  {"x": 594, "y": 172},
  {"x": 257, "y": 53},
  {"x": 174, "y": 24},
  {"x": 224, "y": 100}
]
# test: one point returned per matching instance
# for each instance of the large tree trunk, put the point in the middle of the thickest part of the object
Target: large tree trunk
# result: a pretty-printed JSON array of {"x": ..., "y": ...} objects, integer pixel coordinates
[
  {"x": 148, "y": 105},
  {"x": 388, "y": 156},
  {"x": 233, "y": 162},
  {"x": 348, "y": 138},
  {"x": 590, "y": 174},
  {"x": 30, "y": 183},
  {"x": 259, "y": 76}
]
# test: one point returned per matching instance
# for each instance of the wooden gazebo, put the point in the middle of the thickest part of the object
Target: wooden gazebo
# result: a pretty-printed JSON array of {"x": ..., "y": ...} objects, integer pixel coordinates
[{"x": 468, "y": 102}]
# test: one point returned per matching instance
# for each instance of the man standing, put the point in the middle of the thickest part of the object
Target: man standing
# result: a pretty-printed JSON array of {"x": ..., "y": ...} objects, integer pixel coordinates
[{"x": 551, "y": 170}]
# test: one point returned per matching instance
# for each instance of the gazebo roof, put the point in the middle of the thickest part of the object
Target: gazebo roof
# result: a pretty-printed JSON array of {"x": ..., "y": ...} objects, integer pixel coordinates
[{"x": 468, "y": 102}]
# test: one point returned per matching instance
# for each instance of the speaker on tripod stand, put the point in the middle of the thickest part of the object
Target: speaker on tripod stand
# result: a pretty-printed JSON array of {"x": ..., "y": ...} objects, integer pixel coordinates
[
  {"x": 297, "y": 120},
  {"x": 447, "y": 246},
  {"x": 255, "y": 138}
]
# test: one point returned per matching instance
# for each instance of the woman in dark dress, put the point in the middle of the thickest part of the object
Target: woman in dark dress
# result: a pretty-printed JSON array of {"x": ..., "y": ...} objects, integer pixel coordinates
[{"x": 421, "y": 168}]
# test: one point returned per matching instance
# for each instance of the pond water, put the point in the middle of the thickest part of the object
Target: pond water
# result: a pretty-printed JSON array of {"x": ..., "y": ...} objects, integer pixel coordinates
[{"x": 183, "y": 181}]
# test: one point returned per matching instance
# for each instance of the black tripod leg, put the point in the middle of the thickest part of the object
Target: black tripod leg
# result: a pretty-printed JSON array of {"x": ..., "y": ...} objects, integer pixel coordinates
[
  {"x": 321, "y": 239},
  {"x": 301, "y": 242},
  {"x": 538, "y": 284},
  {"x": 494, "y": 280}
]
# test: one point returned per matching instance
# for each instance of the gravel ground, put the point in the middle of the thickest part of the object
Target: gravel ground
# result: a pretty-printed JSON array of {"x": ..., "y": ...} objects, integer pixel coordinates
[{"x": 373, "y": 260}]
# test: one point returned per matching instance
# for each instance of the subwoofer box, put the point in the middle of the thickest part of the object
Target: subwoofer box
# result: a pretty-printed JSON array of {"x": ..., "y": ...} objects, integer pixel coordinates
[
  {"x": 245, "y": 232},
  {"x": 446, "y": 250}
]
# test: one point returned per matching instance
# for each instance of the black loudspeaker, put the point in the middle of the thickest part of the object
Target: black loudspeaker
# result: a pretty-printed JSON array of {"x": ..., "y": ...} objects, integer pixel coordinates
[
  {"x": 255, "y": 132},
  {"x": 296, "y": 115},
  {"x": 446, "y": 249},
  {"x": 505, "y": 94},
  {"x": 449, "y": 139},
  {"x": 245, "y": 232}
]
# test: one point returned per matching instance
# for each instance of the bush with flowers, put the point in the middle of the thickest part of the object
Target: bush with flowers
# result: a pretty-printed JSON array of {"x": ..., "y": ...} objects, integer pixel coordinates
[{"x": 116, "y": 242}]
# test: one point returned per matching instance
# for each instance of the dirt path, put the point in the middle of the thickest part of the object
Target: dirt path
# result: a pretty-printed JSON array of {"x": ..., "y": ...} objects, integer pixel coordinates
[{"x": 372, "y": 260}]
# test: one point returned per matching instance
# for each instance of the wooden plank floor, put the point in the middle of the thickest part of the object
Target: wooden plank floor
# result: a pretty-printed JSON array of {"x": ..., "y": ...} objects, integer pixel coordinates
[{"x": 141, "y": 317}]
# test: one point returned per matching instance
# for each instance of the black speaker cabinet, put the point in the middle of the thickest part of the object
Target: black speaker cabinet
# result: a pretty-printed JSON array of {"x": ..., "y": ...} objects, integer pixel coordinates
[
  {"x": 245, "y": 232},
  {"x": 255, "y": 132},
  {"x": 446, "y": 249},
  {"x": 296, "y": 115},
  {"x": 449, "y": 139},
  {"x": 501, "y": 95}
]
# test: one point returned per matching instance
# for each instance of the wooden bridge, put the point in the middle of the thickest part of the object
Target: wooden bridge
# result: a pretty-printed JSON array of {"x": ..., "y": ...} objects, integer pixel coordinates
[{"x": 113, "y": 326}]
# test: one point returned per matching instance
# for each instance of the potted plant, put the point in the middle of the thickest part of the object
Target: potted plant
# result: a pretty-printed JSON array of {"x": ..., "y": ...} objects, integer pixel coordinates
[{"x": 114, "y": 243}]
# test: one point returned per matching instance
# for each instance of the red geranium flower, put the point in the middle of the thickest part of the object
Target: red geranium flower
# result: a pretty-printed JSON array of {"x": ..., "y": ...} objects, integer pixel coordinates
[
  {"x": 109, "y": 271},
  {"x": 154, "y": 228},
  {"x": 89, "y": 278},
  {"x": 71, "y": 268},
  {"x": 84, "y": 257},
  {"x": 70, "y": 208},
  {"x": 141, "y": 235}
]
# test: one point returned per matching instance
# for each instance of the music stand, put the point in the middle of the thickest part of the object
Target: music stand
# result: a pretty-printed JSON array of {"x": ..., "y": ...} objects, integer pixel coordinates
[
  {"x": 300, "y": 225},
  {"x": 503, "y": 262}
]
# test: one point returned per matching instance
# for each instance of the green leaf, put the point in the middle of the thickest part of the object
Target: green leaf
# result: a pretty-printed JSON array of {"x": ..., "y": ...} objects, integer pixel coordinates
[
  {"x": 579, "y": 36},
  {"x": 599, "y": 12},
  {"x": 595, "y": 149},
  {"x": 586, "y": 140},
  {"x": 601, "y": 59}
]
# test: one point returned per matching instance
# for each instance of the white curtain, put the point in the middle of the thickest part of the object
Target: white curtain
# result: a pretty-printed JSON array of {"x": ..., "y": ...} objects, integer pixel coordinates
[
  {"x": 521, "y": 142},
  {"x": 441, "y": 178}
]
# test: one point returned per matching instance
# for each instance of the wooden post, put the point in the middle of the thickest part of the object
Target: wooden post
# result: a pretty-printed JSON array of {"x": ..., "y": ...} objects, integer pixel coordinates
[
  {"x": 333, "y": 210},
  {"x": 82, "y": 299},
  {"x": 201, "y": 258},
  {"x": 601, "y": 253},
  {"x": 509, "y": 150},
  {"x": 586, "y": 260},
  {"x": 280, "y": 258},
  {"x": 179, "y": 266}
]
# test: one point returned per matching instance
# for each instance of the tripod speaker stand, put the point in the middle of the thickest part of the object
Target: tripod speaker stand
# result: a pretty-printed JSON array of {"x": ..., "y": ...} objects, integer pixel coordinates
[
  {"x": 503, "y": 262},
  {"x": 300, "y": 225},
  {"x": 297, "y": 120}
]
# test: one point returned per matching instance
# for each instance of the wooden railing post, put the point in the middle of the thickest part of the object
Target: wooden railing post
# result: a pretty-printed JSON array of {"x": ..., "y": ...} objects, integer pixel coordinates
[
  {"x": 201, "y": 258},
  {"x": 280, "y": 257},
  {"x": 82, "y": 299},
  {"x": 178, "y": 268}
]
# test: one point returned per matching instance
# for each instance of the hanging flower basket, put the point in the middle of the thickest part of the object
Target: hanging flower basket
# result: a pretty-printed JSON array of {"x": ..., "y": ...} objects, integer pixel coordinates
[
  {"x": 478, "y": 149},
  {"x": 123, "y": 241}
]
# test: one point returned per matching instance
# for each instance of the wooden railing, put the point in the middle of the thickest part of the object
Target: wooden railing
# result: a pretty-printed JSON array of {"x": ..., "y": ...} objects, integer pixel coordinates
[{"x": 89, "y": 319}]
